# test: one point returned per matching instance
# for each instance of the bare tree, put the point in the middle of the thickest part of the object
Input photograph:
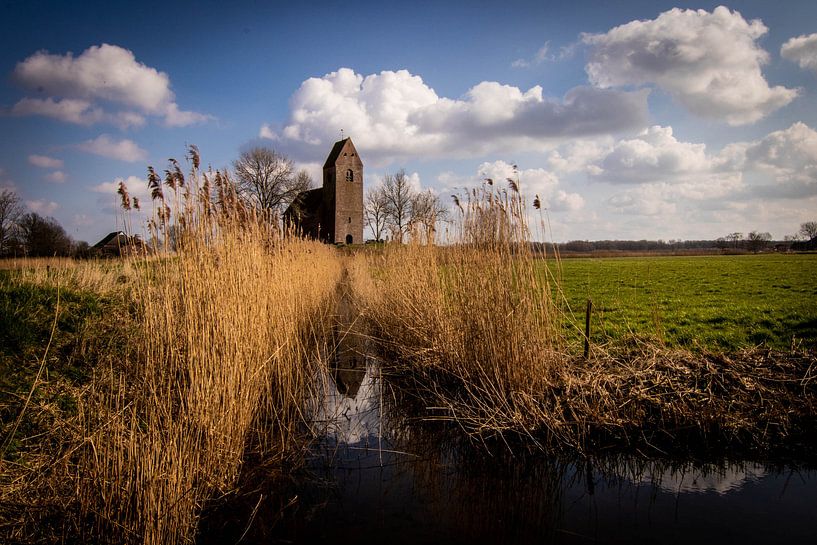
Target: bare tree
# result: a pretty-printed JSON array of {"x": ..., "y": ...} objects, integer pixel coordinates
[
  {"x": 10, "y": 211},
  {"x": 757, "y": 241},
  {"x": 267, "y": 179},
  {"x": 426, "y": 211},
  {"x": 398, "y": 195},
  {"x": 734, "y": 238},
  {"x": 808, "y": 230},
  {"x": 375, "y": 206}
]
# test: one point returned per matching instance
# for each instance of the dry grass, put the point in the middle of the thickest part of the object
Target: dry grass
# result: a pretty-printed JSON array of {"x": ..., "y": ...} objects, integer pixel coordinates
[
  {"x": 220, "y": 365},
  {"x": 475, "y": 319}
]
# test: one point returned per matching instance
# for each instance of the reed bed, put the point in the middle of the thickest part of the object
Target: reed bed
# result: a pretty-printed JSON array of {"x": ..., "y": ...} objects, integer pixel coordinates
[
  {"x": 476, "y": 319},
  {"x": 220, "y": 319},
  {"x": 221, "y": 364},
  {"x": 479, "y": 330}
]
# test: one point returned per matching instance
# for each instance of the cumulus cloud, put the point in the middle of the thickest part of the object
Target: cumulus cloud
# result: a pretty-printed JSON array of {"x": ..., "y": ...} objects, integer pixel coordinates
[
  {"x": 267, "y": 132},
  {"x": 709, "y": 62},
  {"x": 653, "y": 155},
  {"x": 789, "y": 156},
  {"x": 122, "y": 150},
  {"x": 42, "y": 207},
  {"x": 57, "y": 177},
  {"x": 43, "y": 161},
  {"x": 74, "y": 86},
  {"x": 661, "y": 175},
  {"x": 802, "y": 50},
  {"x": 137, "y": 187},
  {"x": 79, "y": 112},
  {"x": 533, "y": 181},
  {"x": 789, "y": 153},
  {"x": 395, "y": 114}
]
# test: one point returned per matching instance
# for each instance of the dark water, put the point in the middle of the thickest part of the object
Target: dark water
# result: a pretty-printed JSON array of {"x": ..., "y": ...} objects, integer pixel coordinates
[{"x": 375, "y": 476}]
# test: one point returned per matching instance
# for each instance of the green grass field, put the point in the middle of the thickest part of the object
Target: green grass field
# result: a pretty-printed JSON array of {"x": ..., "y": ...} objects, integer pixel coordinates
[{"x": 713, "y": 302}]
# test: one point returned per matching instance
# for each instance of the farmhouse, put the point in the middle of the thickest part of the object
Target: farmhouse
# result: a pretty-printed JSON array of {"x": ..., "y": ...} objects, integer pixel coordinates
[
  {"x": 118, "y": 244},
  {"x": 333, "y": 213}
]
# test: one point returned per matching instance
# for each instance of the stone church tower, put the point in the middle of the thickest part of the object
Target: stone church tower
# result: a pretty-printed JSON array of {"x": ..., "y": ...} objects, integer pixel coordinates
[
  {"x": 343, "y": 195},
  {"x": 333, "y": 213}
]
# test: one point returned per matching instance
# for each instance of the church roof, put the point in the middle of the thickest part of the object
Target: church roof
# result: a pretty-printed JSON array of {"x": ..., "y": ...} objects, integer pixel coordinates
[
  {"x": 307, "y": 202},
  {"x": 335, "y": 153}
]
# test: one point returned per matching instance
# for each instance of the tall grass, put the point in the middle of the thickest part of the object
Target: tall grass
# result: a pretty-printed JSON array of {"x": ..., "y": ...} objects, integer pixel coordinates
[
  {"x": 476, "y": 318},
  {"x": 220, "y": 364}
]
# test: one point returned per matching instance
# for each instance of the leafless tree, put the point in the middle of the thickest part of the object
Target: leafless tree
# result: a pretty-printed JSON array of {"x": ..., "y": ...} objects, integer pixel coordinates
[
  {"x": 267, "y": 179},
  {"x": 808, "y": 230},
  {"x": 398, "y": 195},
  {"x": 426, "y": 211},
  {"x": 756, "y": 241},
  {"x": 10, "y": 211},
  {"x": 734, "y": 238},
  {"x": 375, "y": 206}
]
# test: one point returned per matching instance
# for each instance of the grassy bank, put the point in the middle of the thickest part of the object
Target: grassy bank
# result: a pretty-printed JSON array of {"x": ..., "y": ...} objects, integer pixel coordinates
[{"x": 720, "y": 303}]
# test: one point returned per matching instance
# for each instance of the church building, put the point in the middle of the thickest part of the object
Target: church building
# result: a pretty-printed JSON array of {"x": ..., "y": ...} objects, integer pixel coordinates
[{"x": 333, "y": 213}]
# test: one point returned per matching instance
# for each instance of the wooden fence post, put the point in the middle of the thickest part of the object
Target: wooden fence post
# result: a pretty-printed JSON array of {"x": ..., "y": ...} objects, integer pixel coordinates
[{"x": 587, "y": 328}]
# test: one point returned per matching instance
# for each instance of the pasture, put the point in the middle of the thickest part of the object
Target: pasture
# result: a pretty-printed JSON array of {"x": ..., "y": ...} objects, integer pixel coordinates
[{"x": 719, "y": 303}]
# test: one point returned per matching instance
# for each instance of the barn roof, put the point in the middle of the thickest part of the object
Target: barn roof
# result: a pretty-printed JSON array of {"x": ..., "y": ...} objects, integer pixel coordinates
[{"x": 108, "y": 238}]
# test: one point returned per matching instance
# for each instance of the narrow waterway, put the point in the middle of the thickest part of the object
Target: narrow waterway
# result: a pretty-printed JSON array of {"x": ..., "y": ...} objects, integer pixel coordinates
[{"x": 376, "y": 474}]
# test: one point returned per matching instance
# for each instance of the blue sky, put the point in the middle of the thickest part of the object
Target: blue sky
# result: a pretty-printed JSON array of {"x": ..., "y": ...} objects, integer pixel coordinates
[{"x": 629, "y": 119}]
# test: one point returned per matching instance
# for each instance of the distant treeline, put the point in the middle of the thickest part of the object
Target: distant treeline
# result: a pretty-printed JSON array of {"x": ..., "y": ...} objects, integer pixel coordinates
[
  {"x": 635, "y": 245},
  {"x": 679, "y": 246}
]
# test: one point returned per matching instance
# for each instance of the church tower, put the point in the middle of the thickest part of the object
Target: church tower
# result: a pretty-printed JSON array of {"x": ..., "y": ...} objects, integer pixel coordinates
[{"x": 342, "y": 218}]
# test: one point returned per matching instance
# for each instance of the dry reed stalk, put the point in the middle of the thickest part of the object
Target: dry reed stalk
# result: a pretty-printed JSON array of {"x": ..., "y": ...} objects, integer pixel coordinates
[
  {"x": 221, "y": 363},
  {"x": 477, "y": 317}
]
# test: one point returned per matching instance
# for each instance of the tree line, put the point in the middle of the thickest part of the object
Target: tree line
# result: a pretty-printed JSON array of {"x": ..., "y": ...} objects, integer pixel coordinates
[
  {"x": 29, "y": 234},
  {"x": 754, "y": 241}
]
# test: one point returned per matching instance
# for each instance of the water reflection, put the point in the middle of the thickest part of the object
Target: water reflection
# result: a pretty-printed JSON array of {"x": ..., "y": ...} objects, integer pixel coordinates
[{"x": 375, "y": 472}]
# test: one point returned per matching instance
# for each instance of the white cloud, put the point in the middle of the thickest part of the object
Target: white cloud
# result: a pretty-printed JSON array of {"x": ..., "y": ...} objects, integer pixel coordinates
[
  {"x": 43, "y": 161},
  {"x": 544, "y": 54},
  {"x": 682, "y": 183},
  {"x": 315, "y": 171},
  {"x": 532, "y": 181},
  {"x": 802, "y": 50},
  {"x": 267, "y": 132},
  {"x": 395, "y": 114},
  {"x": 77, "y": 111},
  {"x": 790, "y": 152},
  {"x": 654, "y": 155},
  {"x": 564, "y": 201},
  {"x": 57, "y": 177},
  {"x": 42, "y": 207},
  {"x": 122, "y": 150},
  {"x": 106, "y": 73},
  {"x": 137, "y": 187},
  {"x": 790, "y": 157},
  {"x": 710, "y": 62},
  {"x": 178, "y": 118}
]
